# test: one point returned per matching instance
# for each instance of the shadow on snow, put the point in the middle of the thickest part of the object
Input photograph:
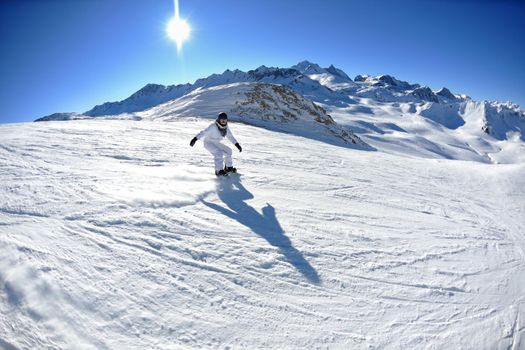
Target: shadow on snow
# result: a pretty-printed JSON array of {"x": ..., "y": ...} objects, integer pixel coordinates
[{"x": 233, "y": 194}]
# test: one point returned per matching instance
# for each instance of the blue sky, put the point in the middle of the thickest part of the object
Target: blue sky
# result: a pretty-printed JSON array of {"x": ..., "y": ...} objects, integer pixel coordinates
[{"x": 69, "y": 55}]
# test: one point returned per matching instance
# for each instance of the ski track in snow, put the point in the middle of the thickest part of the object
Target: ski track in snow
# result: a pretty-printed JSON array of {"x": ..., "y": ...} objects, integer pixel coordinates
[{"x": 116, "y": 234}]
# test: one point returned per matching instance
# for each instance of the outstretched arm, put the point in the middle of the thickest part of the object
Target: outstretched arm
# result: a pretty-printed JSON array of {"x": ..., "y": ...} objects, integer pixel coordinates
[
  {"x": 199, "y": 136},
  {"x": 230, "y": 136},
  {"x": 232, "y": 139}
]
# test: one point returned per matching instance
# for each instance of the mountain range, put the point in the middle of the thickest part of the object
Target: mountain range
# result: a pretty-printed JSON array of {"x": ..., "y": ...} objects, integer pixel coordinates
[{"x": 371, "y": 112}]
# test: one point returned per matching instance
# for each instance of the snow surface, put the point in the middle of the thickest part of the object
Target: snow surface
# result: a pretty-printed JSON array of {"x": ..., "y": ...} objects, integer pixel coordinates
[{"x": 115, "y": 234}]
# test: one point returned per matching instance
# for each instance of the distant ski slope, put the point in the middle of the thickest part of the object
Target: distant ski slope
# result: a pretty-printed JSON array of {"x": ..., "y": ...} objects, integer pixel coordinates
[{"x": 116, "y": 235}]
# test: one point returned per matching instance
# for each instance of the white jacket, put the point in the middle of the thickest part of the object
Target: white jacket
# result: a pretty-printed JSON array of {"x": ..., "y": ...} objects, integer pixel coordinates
[{"x": 213, "y": 135}]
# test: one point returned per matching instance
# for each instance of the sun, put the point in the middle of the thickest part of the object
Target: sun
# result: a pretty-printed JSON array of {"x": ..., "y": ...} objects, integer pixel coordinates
[{"x": 178, "y": 30}]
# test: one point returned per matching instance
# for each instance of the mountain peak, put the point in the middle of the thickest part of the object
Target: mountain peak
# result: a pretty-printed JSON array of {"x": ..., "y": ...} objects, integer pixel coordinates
[
  {"x": 149, "y": 89},
  {"x": 337, "y": 72},
  {"x": 306, "y": 63},
  {"x": 425, "y": 94},
  {"x": 445, "y": 93},
  {"x": 308, "y": 67},
  {"x": 393, "y": 82}
]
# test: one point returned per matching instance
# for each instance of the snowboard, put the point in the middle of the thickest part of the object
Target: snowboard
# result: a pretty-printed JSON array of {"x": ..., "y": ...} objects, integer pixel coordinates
[{"x": 229, "y": 174}]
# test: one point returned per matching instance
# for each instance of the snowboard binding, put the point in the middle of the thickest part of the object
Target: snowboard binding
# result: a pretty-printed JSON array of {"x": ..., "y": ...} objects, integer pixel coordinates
[{"x": 226, "y": 171}]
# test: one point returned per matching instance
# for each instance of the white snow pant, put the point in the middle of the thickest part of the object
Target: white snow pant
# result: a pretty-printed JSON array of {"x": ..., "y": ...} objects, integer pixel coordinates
[{"x": 222, "y": 154}]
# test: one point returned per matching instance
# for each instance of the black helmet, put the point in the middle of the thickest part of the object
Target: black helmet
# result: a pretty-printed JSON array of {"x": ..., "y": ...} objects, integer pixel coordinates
[{"x": 222, "y": 116}]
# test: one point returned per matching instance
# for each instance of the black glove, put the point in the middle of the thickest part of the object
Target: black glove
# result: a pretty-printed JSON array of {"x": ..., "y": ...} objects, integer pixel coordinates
[
  {"x": 192, "y": 142},
  {"x": 238, "y": 147}
]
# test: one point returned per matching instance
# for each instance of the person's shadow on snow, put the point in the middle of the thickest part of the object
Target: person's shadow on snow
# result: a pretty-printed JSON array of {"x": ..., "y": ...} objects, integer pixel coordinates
[{"x": 233, "y": 194}]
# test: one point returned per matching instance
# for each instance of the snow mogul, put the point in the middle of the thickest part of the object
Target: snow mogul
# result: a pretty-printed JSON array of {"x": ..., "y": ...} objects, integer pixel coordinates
[{"x": 213, "y": 136}]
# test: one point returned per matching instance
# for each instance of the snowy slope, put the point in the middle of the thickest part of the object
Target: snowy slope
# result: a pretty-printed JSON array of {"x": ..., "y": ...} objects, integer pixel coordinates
[
  {"x": 464, "y": 131},
  {"x": 116, "y": 235}
]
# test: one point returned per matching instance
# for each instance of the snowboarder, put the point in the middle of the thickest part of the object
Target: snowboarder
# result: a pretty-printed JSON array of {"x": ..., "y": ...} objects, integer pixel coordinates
[{"x": 222, "y": 154}]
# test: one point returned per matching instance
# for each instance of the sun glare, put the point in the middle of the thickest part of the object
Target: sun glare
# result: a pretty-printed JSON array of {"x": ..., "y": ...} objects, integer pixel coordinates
[{"x": 178, "y": 30}]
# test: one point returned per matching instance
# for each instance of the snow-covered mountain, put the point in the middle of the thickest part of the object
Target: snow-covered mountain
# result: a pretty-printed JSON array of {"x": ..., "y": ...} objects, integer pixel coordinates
[
  {"x": 274, "y": 107},
  {"x": 153, "y": 94},
  {"x": 384, "y": 112},
  {"x": 149, "y": 96}
]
